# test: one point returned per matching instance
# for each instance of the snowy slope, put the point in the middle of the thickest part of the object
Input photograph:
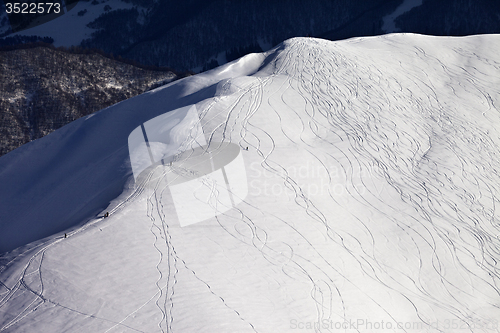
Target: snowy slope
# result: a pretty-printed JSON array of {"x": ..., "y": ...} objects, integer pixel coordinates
[
  {"x": 372, "y": 182},
  {"x": 71, "y": 29}
]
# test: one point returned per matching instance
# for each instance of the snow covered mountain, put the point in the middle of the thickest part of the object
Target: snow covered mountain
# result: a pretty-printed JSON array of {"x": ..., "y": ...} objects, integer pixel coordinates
[{"x": 366, "y": 199}]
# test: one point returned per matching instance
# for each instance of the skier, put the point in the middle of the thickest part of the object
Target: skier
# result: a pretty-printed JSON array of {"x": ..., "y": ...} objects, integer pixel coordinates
[{"x": 107, "y": 214}]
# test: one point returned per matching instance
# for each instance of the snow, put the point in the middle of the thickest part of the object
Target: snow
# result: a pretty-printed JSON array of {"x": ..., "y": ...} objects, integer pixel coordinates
[
  {"x": 389, "y": 25},
  {"x": 369, "y": 202},
  {"x": 70, "y": 29}
]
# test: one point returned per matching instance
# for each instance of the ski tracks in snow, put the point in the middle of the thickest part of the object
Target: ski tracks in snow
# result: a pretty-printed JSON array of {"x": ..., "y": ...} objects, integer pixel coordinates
[
  {"x": 413, "y": 236},
  {"x": 380, "y": 130},
  {"x": 29, "y": 284}
]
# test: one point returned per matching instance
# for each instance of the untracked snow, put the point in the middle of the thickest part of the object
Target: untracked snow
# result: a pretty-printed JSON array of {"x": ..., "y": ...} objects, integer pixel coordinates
[{"x": 373, "y": 180}]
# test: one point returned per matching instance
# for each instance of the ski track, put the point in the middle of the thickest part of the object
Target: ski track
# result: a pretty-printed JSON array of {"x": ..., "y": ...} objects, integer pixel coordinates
[
  {"x": 22, "y": 286},
  {"x": 428, "y": 200},
  {"x": 448, "y": 218}
]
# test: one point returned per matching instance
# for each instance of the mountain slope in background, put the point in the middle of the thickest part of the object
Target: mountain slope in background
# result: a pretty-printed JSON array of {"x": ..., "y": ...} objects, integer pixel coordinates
[
  {"x": 452, "y": 18},
  {"x": 372, "y": 175},
  {"x": 43, "y": 89},
  {"x": 196, "y": 34}
]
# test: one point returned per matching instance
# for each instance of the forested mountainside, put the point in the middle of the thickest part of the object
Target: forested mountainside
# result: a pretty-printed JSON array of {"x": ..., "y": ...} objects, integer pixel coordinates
[
  {"x": 187, "y": 34},
  {"x": 198, "y": 33},
  {"x": 452, "y": 18},
  {"x": 429, "y": 17},
  {"x": 201, "y": 34},
  {"x": 43, "y": 89}
]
